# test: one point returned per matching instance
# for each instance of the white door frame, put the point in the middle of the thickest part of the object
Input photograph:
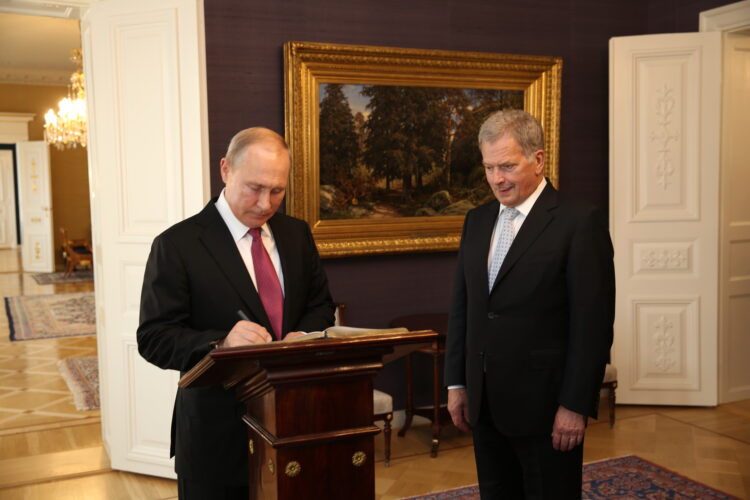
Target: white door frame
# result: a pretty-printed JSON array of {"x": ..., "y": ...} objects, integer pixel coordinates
[
  {"x": 8, "y": 234},
  {"x": 734, "y": 229},
  {"x": 732, "y": 18},
  {"x": 14, "y": 128}
]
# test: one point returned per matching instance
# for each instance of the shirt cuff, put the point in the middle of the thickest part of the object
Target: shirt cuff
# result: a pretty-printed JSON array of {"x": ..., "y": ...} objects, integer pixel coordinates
[{"x": 456, "y": 387}]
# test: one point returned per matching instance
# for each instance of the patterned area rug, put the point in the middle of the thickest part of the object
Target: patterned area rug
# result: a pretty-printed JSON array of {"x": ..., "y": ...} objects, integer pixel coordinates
[
  {"x": 629, "y": 477},
  {"x": 49, "y": 316},
  {"x": 82, "y": 377},
  {"x": 57, "y": 278}
]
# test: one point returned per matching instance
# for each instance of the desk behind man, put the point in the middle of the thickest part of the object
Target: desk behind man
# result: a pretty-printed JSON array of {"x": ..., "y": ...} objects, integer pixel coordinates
[
  {"x": 531, "y": 321},
  {"x": 237, "y": 254}
]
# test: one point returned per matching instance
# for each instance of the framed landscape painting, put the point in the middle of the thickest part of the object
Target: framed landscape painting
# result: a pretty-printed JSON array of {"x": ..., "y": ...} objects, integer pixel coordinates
[{"x": 384, "y": 140}]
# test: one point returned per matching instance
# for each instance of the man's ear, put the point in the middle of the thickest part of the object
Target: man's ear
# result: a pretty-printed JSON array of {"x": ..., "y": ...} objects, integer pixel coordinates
[
  {"x": 224, "y": 169},
  {"x": 539, "y": 156}
]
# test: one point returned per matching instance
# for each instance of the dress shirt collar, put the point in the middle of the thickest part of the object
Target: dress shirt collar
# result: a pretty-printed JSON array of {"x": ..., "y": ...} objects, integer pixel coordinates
[
  {"x": 525, "y": 207},
  {"x": 236, "y": 227}
]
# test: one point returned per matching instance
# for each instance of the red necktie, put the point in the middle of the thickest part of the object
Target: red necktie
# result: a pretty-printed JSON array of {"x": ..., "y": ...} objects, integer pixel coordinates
[{"x": 267, "y": 282}]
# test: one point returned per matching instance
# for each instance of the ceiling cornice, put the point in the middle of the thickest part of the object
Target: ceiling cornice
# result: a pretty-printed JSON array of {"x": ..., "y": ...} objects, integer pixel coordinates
[
  {"x": 67, "y": 9},
  {"x": 31, "y": 76}
]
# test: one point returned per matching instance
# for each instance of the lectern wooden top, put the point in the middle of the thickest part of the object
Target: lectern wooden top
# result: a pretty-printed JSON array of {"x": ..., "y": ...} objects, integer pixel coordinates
[{"x": 230, "y": 364}]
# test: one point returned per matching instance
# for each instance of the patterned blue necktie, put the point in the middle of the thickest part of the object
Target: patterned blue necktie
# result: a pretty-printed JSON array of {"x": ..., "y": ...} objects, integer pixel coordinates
[{"x": 504, "y": 239}]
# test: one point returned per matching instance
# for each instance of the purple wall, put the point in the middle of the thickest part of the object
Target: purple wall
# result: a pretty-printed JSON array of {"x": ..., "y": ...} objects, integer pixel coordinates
[{"x": 245, "y": 87}]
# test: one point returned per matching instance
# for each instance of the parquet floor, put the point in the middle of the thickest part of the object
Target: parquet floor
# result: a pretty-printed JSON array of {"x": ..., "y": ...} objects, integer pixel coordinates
[
  {"x": 32, "y": 391},
  {"x": 48, "y": 450}
]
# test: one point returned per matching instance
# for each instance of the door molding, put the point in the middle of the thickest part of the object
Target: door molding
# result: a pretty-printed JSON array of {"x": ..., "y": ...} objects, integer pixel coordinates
[
  {"x": 14, "y": 128},
  {"x": 730, "y": 18}
]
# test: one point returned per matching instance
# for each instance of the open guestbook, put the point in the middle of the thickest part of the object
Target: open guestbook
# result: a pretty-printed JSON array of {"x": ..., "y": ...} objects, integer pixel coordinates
[{"x": 341, "y": 332}]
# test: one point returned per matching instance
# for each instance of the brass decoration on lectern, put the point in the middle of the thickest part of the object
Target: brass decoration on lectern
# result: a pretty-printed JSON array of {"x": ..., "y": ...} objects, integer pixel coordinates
[
  {"x": 251, "y": 447},
  {"x": 293, "y": 469},
  {"x": 359, "y": 458},
  {"x": 270, "y": 466}
]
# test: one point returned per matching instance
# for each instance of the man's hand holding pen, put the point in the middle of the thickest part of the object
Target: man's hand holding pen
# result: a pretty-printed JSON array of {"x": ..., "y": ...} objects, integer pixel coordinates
[{"x": 245, "y": 332}]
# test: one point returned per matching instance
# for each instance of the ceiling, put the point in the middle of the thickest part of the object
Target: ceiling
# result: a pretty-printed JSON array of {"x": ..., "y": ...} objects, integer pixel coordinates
[{"x": 36, "y": 50}]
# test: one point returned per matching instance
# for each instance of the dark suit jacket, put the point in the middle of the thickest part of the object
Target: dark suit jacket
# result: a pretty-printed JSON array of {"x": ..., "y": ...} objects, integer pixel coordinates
[
  {"x": 194, "y": 284},
  {"x": 541, "y": 338}
]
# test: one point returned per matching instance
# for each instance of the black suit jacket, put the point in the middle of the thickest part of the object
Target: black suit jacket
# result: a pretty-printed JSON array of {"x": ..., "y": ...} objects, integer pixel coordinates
[
  {"x": 541, "y": 337},
  {"x": 194, "y": 284}
]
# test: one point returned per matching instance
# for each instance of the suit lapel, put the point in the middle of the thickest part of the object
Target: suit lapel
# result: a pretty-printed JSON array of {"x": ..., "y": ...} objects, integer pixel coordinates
[
  {"x": 218, "y": 241},
  {"x": 485, "y": 224},
  {"x": 538, "y": 219}
]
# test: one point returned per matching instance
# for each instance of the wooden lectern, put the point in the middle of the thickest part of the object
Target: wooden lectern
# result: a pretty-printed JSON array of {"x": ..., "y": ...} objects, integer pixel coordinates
[{"x": 308, "y": 410}]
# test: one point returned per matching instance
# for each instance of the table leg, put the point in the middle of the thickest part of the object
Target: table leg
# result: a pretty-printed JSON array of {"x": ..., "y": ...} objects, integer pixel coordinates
[
  {"x": 409, "y": 397},
  {"x": 435, "y": 402}
]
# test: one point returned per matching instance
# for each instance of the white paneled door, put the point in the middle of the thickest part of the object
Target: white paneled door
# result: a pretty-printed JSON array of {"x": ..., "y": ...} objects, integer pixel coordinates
[
  {"x": 144, "y": 64},
  {"x": 7, "y": 201},
  {"x": 665, "y": 104},
  {"x": 35, "y": 207}
]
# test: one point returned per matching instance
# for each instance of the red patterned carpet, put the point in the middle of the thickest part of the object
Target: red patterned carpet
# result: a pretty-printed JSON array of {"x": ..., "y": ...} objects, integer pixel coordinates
[
  {"x": 57, "y": 278},
  {"x": 53, "y": 315},
  {"x": 622, "y": 478},
  {"x": 82, "y": 377}
]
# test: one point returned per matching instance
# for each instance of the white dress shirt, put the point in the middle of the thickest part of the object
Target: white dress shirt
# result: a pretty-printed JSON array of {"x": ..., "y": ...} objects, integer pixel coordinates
[{"x": 244, "y": 241}]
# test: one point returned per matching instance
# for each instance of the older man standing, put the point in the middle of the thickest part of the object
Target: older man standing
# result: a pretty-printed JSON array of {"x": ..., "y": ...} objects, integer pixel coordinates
[
  {"x": 237, "y": 254},
  {"x": 531, "y": 321}
]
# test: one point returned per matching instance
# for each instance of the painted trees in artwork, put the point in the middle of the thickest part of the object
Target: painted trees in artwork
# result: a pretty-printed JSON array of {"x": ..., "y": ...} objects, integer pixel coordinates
[
  {"x": 385, "y": 153},
  {"x": 409, "y": 151},
  {"x": 339, "y": 150},
  {"x": 405, "y": 133}
]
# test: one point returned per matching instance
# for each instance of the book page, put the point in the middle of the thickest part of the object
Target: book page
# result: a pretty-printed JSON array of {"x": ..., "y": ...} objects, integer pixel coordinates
[{"x": 338, "y": 332}]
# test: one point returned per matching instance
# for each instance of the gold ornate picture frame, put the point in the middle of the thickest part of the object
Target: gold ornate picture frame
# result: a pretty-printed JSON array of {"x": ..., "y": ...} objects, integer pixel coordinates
[{"x": 316, "y": 69}]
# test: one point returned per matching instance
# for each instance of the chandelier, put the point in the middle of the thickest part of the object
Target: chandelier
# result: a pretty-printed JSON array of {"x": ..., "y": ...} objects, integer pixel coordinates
[{"x": 67, "y": 128}]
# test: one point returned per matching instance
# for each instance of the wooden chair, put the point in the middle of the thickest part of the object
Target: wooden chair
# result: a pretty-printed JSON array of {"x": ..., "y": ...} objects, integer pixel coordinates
[
  {"x": 610, "y": 384},
  {"x": 75, "y": 252},
  {"x": 382, "y": 403}
]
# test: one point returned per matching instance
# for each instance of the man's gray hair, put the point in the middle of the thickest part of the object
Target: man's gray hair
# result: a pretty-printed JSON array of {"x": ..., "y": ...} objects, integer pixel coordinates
[
  {"x": 522, "y": 126},
  {"x": 253, "y": 135}
]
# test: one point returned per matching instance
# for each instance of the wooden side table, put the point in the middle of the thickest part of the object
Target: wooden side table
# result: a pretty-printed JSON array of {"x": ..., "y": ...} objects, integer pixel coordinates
[{"x": 437, "y": 413}]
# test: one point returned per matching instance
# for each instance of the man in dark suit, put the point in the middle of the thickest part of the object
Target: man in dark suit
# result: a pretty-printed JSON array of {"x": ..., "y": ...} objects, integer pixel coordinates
[
  {"x": 205, "y": 269},
  {"x": 531, "y": 321}
]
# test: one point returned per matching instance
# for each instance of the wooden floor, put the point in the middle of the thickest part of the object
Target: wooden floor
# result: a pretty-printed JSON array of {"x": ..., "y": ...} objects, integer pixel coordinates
[{"x": 48, "y": 450}]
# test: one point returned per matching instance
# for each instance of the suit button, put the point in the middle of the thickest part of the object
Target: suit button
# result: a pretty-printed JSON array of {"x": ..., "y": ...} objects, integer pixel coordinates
[{"x": 491, "y": 315}]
